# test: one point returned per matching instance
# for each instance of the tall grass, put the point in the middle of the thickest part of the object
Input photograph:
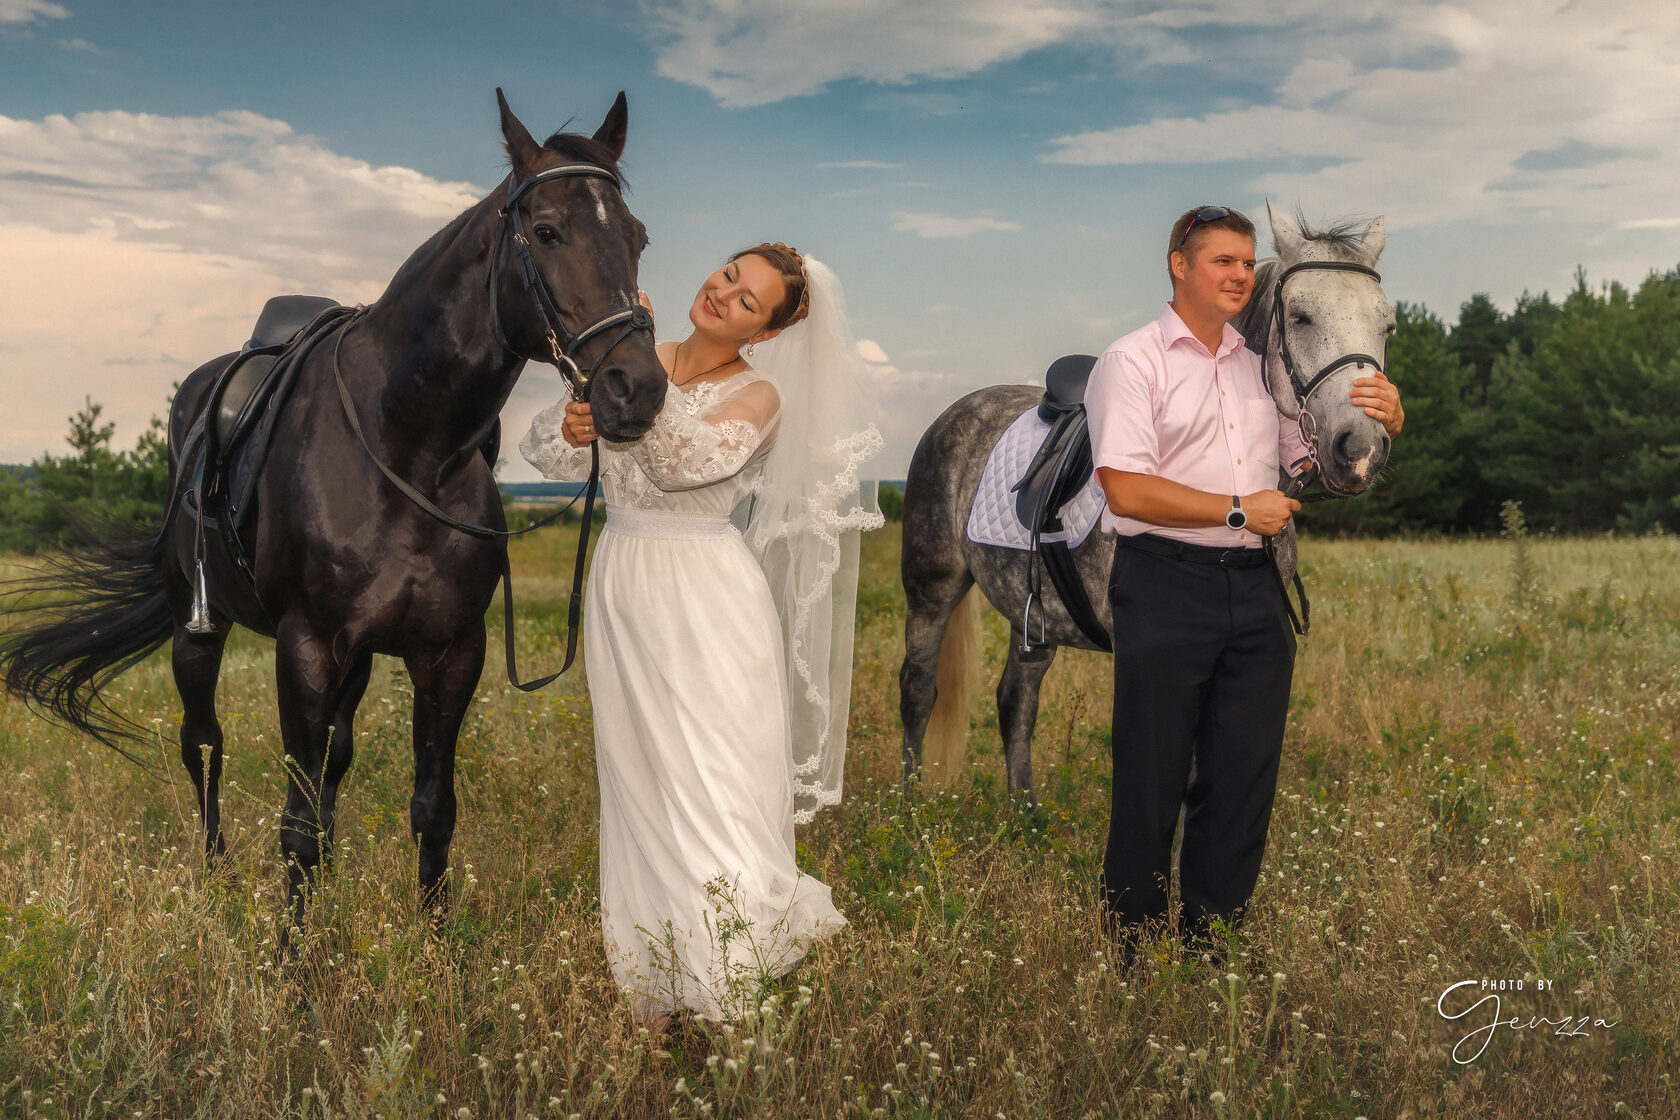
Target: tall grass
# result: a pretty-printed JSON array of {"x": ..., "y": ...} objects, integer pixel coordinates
[{"x": 1479, "y": 783}]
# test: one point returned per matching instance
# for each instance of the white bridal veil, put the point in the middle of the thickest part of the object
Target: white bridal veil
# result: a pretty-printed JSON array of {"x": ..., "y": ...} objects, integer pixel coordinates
[{"x": 803, "y": 524}]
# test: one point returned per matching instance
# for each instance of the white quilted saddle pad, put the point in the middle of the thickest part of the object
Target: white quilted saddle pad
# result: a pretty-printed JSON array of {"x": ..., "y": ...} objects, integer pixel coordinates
[{"x": 992, "y": 519}]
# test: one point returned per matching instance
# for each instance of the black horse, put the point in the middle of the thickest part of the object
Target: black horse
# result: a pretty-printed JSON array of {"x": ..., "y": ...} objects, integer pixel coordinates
[{"x": 343, "y": 565}]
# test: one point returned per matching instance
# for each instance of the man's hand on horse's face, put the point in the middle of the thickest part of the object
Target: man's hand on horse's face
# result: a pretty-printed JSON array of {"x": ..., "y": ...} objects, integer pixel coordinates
[{"x": 1381, "y": 401}]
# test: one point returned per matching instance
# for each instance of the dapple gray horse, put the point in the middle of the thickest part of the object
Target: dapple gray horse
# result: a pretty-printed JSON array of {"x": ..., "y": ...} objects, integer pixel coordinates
[{"x": 1330, "y": 311}]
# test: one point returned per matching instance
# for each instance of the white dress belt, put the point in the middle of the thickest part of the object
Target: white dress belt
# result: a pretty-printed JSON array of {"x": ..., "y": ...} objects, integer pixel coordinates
[{"x": 663, "y": 524}]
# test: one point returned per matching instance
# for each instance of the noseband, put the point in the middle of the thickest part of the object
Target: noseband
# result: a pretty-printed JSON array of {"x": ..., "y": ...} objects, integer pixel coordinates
[{"x": 563, "y": 344}]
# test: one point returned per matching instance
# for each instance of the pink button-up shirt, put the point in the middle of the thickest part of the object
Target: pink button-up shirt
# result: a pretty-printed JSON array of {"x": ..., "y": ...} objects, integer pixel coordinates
[{"x": 1160, "y": 404}]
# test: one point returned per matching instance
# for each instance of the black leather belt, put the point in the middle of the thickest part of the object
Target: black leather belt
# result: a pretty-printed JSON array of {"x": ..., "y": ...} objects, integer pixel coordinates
[{"x": 1197, "y": 553}]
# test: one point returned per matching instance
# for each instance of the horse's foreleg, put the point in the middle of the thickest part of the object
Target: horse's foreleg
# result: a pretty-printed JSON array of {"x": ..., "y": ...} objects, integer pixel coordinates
[
  {"x": 443, "y": 688},
  {"x": 926, "y": 619},
  {"x": 197, "y": 662},
  {"x": 1017, "y": 701}
]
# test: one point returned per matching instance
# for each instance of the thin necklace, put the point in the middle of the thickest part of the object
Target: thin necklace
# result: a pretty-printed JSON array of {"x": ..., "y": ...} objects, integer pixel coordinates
[{"x": 679, "y": 384}]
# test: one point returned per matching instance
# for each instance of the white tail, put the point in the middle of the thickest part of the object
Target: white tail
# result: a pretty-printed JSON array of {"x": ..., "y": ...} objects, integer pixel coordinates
[{"x": 946, "y": 741}]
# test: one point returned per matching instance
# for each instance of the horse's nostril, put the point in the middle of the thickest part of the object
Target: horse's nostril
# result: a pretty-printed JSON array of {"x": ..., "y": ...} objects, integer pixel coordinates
[
  {"x": 611, "y": 382},
  {"x": 1339, "y": 450}
]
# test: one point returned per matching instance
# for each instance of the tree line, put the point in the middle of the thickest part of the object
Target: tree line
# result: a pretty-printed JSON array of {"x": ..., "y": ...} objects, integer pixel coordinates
[{"x": 1569, "y": 407}]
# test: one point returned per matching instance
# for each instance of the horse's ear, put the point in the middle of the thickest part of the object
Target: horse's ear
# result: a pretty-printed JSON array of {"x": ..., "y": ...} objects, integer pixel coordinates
[
  {"x": 612, "y": 130},
  {"x": 1373, "y": 239},
  {"x": 1286, "y": 239},
  {"x": 521, "y": 149}
]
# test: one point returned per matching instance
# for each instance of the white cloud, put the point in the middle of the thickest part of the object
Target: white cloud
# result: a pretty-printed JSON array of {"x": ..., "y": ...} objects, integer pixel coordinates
[
  {"x": 1442, "y": 142},
  {"x": 931, "y": 225},
  {"x": 857, "y": 163},
  {"x": 1263, "y": 132},
  {"x": 24, "y": 11},
  {"x": 870, "y": 350},
  {"x": 134, "y": 247},
  {"x": 753, "y": 52},
  {"x": 235, "y": 184},
  {"x": 81, "y": 45}
]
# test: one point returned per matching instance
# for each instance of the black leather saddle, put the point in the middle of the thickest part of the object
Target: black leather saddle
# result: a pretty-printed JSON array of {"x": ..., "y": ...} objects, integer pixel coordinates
[
  {"x": 221, "y": 454},
  {"x": 1062, "y": 466},
  {"x": 1058, "y": 472}
]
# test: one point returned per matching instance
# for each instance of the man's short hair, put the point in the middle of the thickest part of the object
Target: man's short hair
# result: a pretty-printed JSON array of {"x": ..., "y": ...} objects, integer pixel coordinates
[{"x": 1232, "y": 220}]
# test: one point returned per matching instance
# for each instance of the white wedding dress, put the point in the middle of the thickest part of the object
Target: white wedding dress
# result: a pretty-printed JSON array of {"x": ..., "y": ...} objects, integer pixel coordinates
[{"x": 700, "y": 897}]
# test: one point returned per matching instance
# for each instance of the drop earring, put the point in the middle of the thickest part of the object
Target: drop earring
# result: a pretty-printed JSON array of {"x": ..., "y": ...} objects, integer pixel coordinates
[{"x": 749, "y": 349}]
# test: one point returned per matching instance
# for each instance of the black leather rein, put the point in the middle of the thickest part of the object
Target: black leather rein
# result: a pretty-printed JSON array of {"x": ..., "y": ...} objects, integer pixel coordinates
[{"x": 564, "y": 346}]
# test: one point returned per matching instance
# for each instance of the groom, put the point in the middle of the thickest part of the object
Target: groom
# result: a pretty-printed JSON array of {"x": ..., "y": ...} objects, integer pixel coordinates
[{"x": 1187, "y": 441}]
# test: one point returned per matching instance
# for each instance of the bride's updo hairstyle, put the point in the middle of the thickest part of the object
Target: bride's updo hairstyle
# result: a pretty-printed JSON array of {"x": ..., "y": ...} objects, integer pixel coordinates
[{"x": 785, "y": 259}]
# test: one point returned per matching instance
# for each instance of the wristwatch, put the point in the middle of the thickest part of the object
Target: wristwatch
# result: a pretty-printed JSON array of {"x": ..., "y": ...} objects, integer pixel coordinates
[{"x": 1235, "y": 518}]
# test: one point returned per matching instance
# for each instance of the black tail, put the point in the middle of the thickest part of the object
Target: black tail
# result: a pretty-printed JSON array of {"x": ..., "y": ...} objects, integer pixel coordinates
[{"x": 58, "y": 655}]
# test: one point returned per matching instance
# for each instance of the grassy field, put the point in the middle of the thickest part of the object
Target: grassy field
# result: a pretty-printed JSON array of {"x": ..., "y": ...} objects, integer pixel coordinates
[{"x": 1479, "y": 783}]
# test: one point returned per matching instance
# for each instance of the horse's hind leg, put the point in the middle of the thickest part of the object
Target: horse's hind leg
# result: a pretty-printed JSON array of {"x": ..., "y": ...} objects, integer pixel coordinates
[
  {"x": 443, "y": 688},
  {"x": 341, "y": 745},
  {"x": 931, "y": 598},
  {"x": 1017, "y": 701},
  {"x": 197, "y": 662}
]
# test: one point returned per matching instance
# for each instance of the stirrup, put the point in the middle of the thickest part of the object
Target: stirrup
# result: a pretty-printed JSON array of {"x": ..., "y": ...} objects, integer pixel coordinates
[{"x": 199, "y": 622}]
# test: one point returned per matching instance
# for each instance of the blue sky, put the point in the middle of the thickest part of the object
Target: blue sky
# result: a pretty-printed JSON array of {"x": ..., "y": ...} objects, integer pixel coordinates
[{"x": 991, "y": 179}]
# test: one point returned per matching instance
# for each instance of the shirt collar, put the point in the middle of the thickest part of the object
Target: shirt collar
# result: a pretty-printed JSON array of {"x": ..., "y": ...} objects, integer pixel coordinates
[{"x": 1173, "y": 330}]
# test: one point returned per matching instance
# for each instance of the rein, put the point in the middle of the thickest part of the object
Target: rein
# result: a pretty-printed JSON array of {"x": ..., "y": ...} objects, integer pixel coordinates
[
  {"x": 1302, "y": 623},
  {"x": 564, "y": 346}
]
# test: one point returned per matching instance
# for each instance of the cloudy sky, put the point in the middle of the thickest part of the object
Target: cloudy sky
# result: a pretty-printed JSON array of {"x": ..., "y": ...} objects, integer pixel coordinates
[{"x": 992, "y": 179}]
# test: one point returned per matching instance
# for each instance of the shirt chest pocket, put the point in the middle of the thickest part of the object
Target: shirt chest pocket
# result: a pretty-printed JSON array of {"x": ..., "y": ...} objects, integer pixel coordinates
[{"x": 1260, "y": 439}]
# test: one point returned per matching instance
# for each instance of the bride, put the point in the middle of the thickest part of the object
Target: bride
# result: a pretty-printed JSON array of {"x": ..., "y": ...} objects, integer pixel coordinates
[{"x": 719, "y": 658}]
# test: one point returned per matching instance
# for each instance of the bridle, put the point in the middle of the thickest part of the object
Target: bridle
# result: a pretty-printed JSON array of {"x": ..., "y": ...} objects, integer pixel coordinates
[
  {"x": 1302, "y": 623},
  {"x": 563, "y": 344},
  {"x": 1303, "y": 393}
]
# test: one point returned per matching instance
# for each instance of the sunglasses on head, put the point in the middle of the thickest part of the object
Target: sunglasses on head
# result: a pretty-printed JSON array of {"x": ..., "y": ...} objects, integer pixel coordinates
[{"x": 1205, "y": 214}]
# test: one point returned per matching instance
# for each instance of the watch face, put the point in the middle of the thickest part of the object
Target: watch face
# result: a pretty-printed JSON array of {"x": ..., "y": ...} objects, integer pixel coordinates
[{"x": 1236, "y": 519}]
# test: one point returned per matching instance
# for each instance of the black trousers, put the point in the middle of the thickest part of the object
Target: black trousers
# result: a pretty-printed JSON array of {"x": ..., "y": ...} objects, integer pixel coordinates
[{"x": 1204, "y": 656}]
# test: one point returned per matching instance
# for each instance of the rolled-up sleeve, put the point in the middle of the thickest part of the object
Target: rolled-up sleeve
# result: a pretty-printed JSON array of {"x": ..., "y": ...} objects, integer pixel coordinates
[
  {"x": 1293, "y": 451},
  {"x": 1120, "y": 408}
]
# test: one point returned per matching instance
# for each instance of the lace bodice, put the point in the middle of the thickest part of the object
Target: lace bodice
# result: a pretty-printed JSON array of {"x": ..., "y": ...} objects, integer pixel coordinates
[{"x": 702, "y": 455}]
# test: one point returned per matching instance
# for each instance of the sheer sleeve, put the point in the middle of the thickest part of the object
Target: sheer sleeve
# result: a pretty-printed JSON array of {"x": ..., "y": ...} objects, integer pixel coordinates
[
  {"x": 723, "y": 433},
  {"x": 545, "y": 447}
]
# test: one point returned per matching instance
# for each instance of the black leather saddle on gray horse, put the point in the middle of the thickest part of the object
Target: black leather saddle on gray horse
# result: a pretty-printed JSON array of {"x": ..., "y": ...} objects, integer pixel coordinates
[
  {"x": 1057, "y": 474},
  {"x": 221, "y": 454},
  {"x": 1060, "y": 470}
]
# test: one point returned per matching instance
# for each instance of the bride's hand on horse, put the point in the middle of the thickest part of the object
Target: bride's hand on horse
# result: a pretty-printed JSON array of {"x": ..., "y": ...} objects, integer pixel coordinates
[
  {"x": 1381, "y": 401},
  {"x": 642, "y": 298},
  {"x": 579, "y": 425},
  {"x": 1268, "y": 511}
]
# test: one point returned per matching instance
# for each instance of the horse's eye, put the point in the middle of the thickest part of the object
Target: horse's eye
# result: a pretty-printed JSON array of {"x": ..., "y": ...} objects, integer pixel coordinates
[
  {"x": 1300, "y": 320},
  {"x": 547, "y": 235},
  {"x": 1391, "y": 328}
]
